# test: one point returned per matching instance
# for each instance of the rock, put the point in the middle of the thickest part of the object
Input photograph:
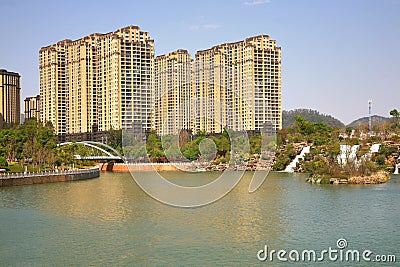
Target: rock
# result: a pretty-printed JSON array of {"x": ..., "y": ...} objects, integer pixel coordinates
[
  {"x": 375, "y": 178},
  {"x": 334, "y": 181}
]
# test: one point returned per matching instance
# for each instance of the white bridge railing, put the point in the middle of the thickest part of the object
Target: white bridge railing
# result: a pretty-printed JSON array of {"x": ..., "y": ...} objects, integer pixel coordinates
[{"x": 46, "y": 173}]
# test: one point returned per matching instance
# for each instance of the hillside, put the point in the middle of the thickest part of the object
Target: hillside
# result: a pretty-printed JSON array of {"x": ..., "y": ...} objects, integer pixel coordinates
[
  {"x": 288, "y": 117},
  {"x": 365, "y": 120}
]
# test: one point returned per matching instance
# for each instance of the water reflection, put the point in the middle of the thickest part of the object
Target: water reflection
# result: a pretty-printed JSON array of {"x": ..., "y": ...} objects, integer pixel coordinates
[{"x": 121, "y": 224}]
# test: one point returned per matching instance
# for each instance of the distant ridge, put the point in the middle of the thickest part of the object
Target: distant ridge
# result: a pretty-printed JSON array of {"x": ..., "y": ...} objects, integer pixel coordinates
[
  {"x": 365, "y": 121},
  {"x": 310, "y": 115}
]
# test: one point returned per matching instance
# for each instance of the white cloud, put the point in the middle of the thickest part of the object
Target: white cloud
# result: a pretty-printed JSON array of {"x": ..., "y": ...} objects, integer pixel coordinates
[
  {"x": 210, "y": 26},
  {"x": 256, "y": 2}
]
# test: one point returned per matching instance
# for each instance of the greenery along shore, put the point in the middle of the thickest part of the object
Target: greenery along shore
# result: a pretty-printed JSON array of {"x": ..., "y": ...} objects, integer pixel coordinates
[
  {"x": 35, "y": 146},
  {"x": 322, "y": 161}
]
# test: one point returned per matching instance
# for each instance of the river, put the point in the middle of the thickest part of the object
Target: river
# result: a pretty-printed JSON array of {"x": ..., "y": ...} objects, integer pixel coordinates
[{"x": 111, "y": 221}]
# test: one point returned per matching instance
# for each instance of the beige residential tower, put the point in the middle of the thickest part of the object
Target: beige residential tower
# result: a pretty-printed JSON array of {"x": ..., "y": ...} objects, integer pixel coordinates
[
  {"x": 112, "y": 81},
  {"x": 98, "y": 83}
]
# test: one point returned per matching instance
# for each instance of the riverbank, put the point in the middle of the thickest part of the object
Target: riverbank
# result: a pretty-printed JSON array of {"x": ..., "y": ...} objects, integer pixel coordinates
[
  {"x": 15, "y": 179},
  {"x": 137, "y": 167},
  {"x": 182, "y": 166}
]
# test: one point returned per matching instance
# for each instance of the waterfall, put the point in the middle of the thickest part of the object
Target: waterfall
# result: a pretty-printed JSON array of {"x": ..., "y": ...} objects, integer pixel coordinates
[
  {"x": 343, "y": 153},
  {"x": 347, "y": 153},
  {"x": 396, "y": 169},
  {"x": 375, "y": 148},
  {"x": 293, "y": 164}
]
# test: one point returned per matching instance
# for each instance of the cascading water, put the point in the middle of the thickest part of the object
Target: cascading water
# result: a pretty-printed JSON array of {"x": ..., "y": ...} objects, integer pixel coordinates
[
  {"x": 347, "y": 153},
  {"x": 374, "y": 149},
  {"x": 292, "y": 165}
]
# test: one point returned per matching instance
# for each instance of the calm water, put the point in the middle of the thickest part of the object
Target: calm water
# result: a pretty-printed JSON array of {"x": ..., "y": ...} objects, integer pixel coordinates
[{"x": 110, "y": 221}]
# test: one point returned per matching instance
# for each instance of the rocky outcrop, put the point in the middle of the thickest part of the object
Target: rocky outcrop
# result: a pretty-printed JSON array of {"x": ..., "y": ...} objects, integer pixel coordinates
[{"x": 375, "y": 178}]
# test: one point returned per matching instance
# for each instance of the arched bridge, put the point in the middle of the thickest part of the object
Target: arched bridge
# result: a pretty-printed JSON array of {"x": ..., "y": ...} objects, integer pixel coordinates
[{"x": 116, "y": 156}]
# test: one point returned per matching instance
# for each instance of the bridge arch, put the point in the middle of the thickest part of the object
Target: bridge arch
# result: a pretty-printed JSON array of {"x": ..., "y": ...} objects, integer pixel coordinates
[{"x": 98, "y": 146}]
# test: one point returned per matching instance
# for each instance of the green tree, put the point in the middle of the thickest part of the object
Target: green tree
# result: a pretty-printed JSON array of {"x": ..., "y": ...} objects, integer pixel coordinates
[
  {"x": 191, "y": 150},
  {"x": 154, "y": 146},
  {"x": 222, "y": 142},
  {"x": 114, "y": 139},
  {"x": 3, "y": 162},
  {"x": 395, "y": 114},
  {"x": 255, "y": 144},
  {"x": 348, "y": 131}
]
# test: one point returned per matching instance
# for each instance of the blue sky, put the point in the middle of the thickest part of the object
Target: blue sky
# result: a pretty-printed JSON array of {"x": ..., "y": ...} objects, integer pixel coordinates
[{"x": 336, "y": 54}]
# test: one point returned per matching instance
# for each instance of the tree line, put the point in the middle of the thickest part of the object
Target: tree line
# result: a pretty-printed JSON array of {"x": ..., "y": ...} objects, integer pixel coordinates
[
  {"x": 211, "y": 147},
  {"x": 35, "y": 145}
]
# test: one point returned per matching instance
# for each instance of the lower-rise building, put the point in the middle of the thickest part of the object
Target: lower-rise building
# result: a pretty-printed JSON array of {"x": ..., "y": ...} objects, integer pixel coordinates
[
  {"x": 9, "y": 97},
  {"x": 32, "y": 107}
]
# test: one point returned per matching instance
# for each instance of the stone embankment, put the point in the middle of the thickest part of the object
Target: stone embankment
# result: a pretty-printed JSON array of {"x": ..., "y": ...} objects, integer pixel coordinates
[
  {"x": 48, "y": 177},
  {"x": 138, "y": 167}
]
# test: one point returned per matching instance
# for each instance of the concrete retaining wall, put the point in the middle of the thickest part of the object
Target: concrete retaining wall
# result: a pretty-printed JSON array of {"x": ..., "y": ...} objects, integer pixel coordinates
[
  {"x": 50, "y": 177},
  {"x": 118, "y": 167}
]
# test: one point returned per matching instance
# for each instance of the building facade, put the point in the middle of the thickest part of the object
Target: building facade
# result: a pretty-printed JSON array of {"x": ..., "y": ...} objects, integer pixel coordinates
[
  {"x": 112, "y": 81},
  {"x": 32, "y": 107},
  {"x": 239, "y": 86},
  {"x": 98, "y": 83},
  {"x": 173, "y": 93},
  {"x": 229, "y": 86},
  {"x": 10, "y": 111},
  {"x": 53, "y": 86}
]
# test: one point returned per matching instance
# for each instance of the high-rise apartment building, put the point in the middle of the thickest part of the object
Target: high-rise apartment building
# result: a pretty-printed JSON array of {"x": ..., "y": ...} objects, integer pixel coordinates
[
  {"x": 99, "y": 82},
  {"x": 112, "y": 81},
  {"x": 267, "y": 79},
  {"x": 173, "y": 93},
  {"x": 32, "y": 107},
  {"x": 239, "y": 86},
  {"x": 53, "y": 86},
  {"x": 229, "y": 86},
  {"x": 9, "y": 97}
]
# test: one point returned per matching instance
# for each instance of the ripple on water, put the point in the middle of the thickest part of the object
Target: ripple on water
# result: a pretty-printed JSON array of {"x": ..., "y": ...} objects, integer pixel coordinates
[{"x": 110, "y": 221}]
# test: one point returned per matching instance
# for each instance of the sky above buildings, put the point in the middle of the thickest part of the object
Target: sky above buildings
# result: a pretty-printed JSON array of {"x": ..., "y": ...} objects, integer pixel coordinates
[{"x": 336, "y": 54}]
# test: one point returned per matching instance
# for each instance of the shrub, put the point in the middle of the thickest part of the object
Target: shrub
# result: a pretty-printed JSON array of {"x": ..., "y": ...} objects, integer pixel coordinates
[{"x": 3, "y": 162}]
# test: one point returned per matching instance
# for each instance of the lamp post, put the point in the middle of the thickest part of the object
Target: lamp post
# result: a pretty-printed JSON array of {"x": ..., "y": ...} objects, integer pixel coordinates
[{"x": 369, "y": 114}]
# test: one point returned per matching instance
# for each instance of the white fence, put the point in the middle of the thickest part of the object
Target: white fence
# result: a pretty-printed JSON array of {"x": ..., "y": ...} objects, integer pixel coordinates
[{"x": 46, "y": 173}]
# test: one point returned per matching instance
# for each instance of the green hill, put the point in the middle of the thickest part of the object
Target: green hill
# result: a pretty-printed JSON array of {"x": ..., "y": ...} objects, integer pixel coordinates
[
  {"x": 365, "y": 120},
  {"x": 310, "y": 115}
]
